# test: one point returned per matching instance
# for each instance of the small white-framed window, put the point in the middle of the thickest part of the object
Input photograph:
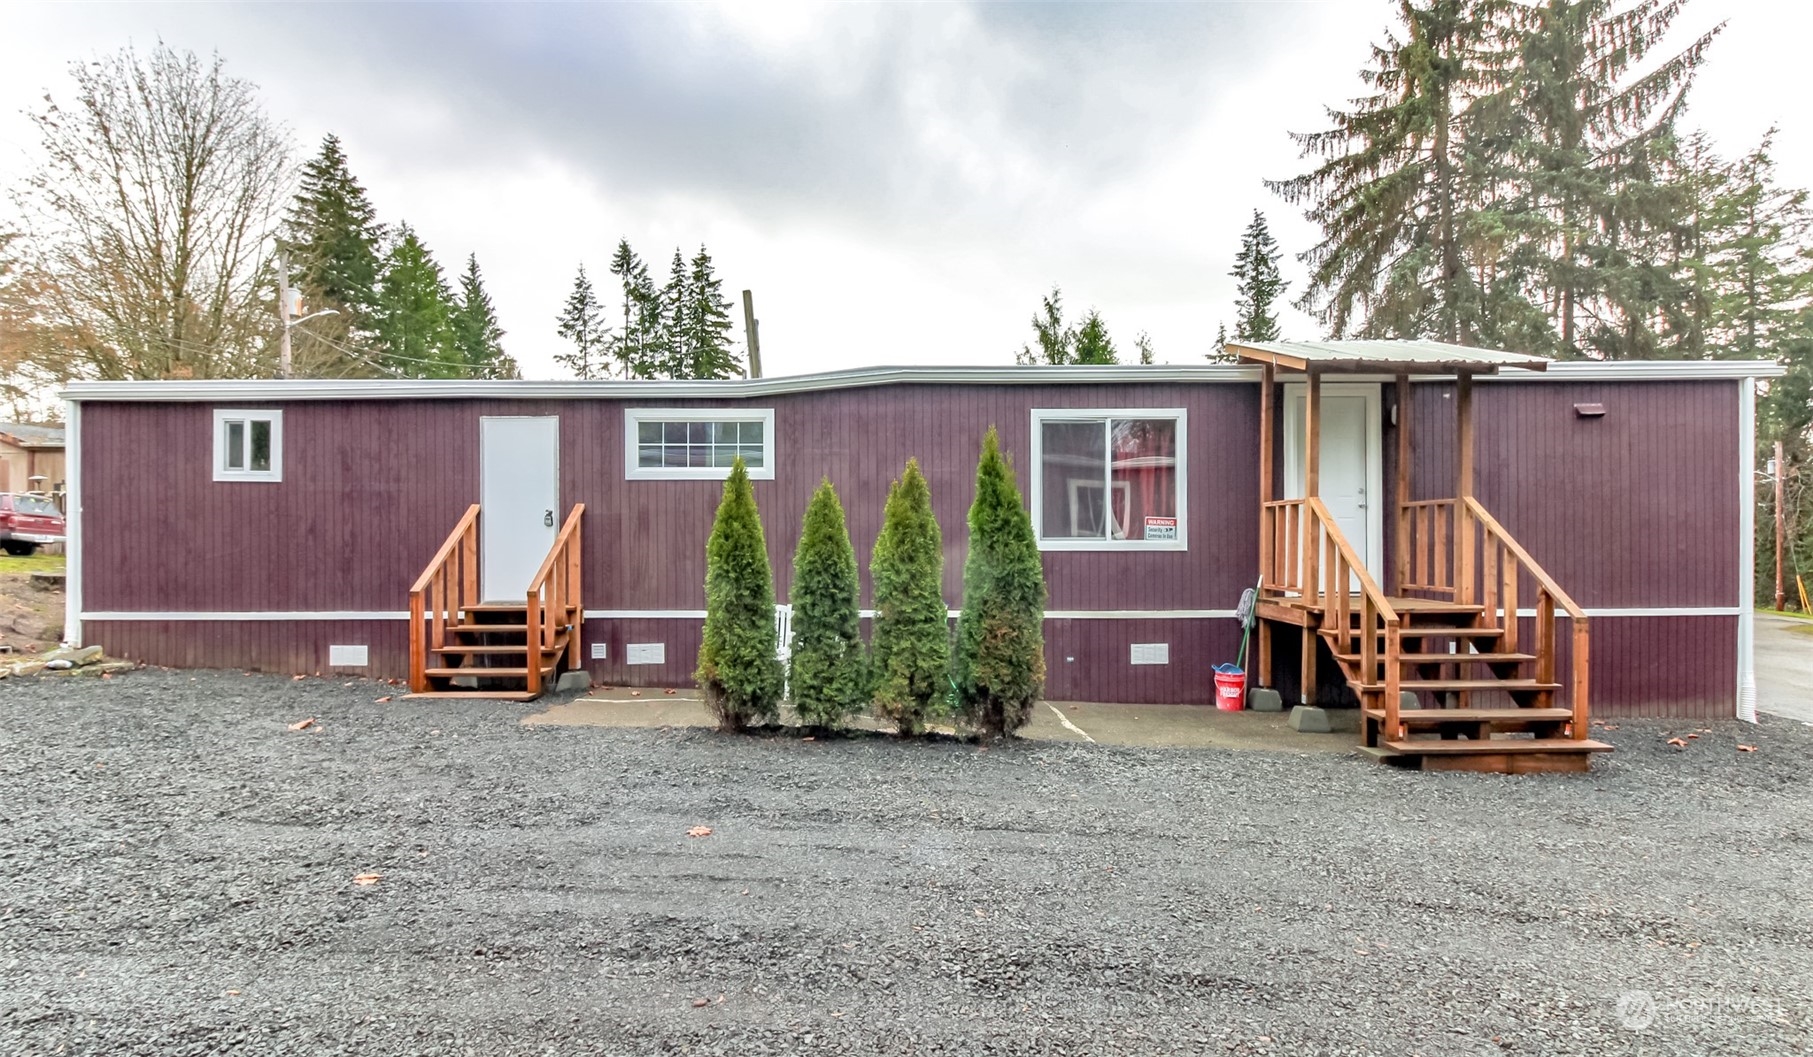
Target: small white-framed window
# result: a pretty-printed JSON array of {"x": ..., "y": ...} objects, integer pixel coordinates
[
  {"x": 1109, "y": 479},
  {"x": 248, "y": 445},
  {"x": 696, "y": 443}
]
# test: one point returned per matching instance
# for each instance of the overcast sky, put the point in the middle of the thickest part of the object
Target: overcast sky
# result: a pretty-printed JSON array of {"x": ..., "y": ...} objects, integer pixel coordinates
[{"x": 898, "y": 183}]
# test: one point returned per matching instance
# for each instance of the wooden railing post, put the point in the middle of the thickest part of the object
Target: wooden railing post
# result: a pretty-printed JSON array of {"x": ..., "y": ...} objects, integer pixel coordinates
[
  {"x": 1265, "y": 467},
  {"x": 1577, "y": 698},
  {"x": 1394, "y": 649},
  {"x": 1401, "y": 562},
  {"x": 418, "y": 649}
]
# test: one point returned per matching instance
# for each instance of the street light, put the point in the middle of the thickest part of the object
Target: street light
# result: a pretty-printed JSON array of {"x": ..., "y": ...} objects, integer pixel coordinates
[{"x": 283, "y": 309}]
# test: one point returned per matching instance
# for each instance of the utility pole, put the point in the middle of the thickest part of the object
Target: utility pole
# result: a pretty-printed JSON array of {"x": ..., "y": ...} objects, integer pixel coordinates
[
  {"x": 1781, "y": 470},
  {"x": 283, "y": 309},
  {"x": 752, "y": 335}
]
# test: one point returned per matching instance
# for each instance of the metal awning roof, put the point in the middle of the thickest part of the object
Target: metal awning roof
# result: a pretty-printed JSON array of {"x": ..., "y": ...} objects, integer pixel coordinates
[{"x": 1383, "y": 357}]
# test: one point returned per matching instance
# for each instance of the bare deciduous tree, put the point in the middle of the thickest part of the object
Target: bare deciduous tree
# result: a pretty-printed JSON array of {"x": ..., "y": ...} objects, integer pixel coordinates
[{"x": 148, "y": 224}]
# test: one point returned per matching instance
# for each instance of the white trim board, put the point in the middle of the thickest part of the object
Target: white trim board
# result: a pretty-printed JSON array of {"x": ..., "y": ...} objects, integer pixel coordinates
[
  {"x": 741, "y": 389},
  {"x": 197, "y": 616},
  {"x": 1746, "y": 566},
  {"x": 72, "y": 523}
]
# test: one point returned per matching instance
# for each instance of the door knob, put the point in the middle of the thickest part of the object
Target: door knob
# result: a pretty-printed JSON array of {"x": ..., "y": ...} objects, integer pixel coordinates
[{"x": 548, "y": 519}]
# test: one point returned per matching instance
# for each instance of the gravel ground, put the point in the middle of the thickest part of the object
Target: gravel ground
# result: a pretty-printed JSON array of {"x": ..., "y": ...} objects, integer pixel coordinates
[{"x": 176, "y": 877}]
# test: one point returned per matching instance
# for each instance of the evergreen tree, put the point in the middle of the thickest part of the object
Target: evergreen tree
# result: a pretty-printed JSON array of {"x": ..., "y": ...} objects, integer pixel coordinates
[
  {"x": 1402, "y": 190},
  {"x": 738, "y": 669},
  {"x": 1092, "y": 342},
  {"x": 477, "y": 339},
  {"x": 581, "y": 321},
  {"x": 674, "y": 357},
  {"x": 1143, "y": 345},
  {"x": 827, "y": 680},
  {"x": 1220, "y": 354},
  {"x": 1588, "y": 152},
  {"x": 333, "y": 233},
  {"x": 636, "y": 349},
  {"x": 1257, "y": 283},
  {"x": 710, "y": 350},
  {"x": 1056, "y": 342},
  {"x": 911, "y": 660},
  {"x": 415, "y": 313},
  {"x": 1000, "y": 633},
  {"x": 1756, "y": 262}
]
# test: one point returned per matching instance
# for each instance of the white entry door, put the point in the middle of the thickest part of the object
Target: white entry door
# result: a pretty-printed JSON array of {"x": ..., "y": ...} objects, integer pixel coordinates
[
  {"x": 1350, "y": 472},
  {"x": 519, "y": 502}
]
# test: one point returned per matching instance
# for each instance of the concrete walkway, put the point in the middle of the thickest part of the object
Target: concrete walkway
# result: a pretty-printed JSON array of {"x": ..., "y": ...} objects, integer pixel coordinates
[
  {"x": 1784, "y": 666},
  {"x": 1143, "y": 726}
]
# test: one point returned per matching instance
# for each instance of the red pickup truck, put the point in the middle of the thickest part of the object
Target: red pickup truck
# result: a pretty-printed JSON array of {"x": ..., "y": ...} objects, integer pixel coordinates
[{"x": 28, "y": 521}]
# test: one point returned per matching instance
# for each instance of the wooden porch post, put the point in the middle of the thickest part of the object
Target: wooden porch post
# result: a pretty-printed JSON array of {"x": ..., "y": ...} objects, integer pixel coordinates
[
  {"x": 1465, "y": 546},
  {"x": 1401, "y": 564},
  {"x": 1265, "y": 518},
  {"x": 1312, "y": 527}
]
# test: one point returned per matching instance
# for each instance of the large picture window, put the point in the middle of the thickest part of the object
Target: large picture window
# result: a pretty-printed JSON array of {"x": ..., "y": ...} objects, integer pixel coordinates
[
  {"x": 1109, "y": 480},
  {"x": 697, "y": 443},
  {"x": 248, "y": 445}
]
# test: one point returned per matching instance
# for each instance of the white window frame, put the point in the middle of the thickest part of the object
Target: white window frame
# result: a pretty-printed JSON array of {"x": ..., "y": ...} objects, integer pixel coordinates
[
  {"x": 223, "y": 472},
  {"x": 633, "y": 417},
  {"x": 1042, "y": 415}
]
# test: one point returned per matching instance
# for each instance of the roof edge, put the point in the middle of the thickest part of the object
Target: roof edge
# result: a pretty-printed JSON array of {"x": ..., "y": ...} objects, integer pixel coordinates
[{"x": 855, "y": 378}]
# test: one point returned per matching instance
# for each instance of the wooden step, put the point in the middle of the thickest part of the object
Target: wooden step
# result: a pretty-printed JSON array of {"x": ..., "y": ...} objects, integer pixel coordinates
[
  {"x": 1450, "y": 747},
  {"x": 1473, "y": 684},
  {"x": 488, "y": 629},
  {"x": 485, "y": 673},
  {"x": 1434, "y": 717},
  {"x": 497, "y": 607},
  {"x": 1433, "y": 631},
  {"x": 518, "y": 648},
  {"x": 1448, "y": 658},
  {"x": 493, "y": 695}
]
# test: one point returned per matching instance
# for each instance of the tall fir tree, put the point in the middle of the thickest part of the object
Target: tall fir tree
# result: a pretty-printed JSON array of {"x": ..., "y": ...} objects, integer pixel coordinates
[
  {"x": 635, "y": 349},
  {"x": 710, "y": 350},
  {"x": 415, "y": 312},
  {"x": 739, "y": 670},
  {"x": 581, "y": 321},
  {"x": 827, "y": 679},
  {"x": 1143, "y": 346},
  {"x": 477, "y": 337},
  {"x": 1257, "y": 283},
  {"x": 1054, "y": 343},
  {"x": 1756, "y": 238},
  {"x": 1000, "y": 665},
  {"x": 674, "y": 357},
  {"x": 1093, "y": 346},
  {"x": 1399, "y": 191},
  {"x": 1593, "y": 111},
  {"x": 911, "y": 655},
  {"x": 334, "y": 238}
]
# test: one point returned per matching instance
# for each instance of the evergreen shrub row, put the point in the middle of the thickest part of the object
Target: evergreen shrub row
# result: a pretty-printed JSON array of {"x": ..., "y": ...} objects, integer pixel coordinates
[{"x": 910, "y": 675}]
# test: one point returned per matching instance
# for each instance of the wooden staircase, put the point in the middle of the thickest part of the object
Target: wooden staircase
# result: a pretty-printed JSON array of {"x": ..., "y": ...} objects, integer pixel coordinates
[
  {"x": 460, "y": 646},
  {"x": 1444, "y": 674}
]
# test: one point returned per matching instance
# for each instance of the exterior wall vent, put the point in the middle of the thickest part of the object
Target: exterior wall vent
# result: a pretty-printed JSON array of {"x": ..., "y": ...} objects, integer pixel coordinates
[
  {"x": 1150, "y": 653},
  {"x": 1589, "y": 410},
  {"x": 645, "y": 653},
  {"x": 347, "y": 656}
]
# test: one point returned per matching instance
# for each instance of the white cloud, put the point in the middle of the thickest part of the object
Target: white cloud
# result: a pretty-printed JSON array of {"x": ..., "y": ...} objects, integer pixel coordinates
[{"x": 898, "y": 183}]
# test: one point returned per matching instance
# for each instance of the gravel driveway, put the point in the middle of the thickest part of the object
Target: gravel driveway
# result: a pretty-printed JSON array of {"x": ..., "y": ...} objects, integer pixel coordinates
[{"x": 176, "y": 877}]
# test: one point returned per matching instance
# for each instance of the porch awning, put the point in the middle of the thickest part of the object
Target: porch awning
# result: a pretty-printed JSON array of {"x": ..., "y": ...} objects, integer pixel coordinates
[{"x": 1383, "y": 357}]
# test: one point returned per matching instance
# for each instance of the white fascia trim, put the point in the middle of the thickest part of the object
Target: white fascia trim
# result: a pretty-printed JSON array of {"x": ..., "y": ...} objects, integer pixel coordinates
[
  {"x": 191, "y": 616},
  {"x": 72, "y": 524},
  {"x": 1746, "y": 566},
  {"x": 1639, "y": 371},
  {"x": 1648, "y": 611},
  {"x": 644, "y": 391}
]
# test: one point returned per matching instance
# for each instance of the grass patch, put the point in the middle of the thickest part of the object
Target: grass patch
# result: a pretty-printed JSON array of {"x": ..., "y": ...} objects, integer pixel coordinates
[
  {"x": 31, "y": 563},
  {"x": 1790, "y": 614}
]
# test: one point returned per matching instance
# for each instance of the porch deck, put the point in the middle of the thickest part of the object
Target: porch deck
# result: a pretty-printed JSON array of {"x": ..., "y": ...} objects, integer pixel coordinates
[{"x": 1445, "y": 676}]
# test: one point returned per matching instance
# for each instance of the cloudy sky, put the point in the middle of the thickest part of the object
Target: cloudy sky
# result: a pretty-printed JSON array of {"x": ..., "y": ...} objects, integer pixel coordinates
[{"x": 898, "y": 183}]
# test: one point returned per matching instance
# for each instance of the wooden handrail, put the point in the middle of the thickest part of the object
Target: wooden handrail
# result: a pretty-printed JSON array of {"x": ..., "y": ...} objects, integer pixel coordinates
[
  {"x": 1500, "y": 579},
  {"x": 554, "y": 599},
  {"x": 446, "y": 587}
]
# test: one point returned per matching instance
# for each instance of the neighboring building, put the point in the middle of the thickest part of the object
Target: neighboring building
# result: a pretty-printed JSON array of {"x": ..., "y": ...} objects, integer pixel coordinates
[
  {"x": 28, "y": 451},
  {"x": 279, "y": 525}
]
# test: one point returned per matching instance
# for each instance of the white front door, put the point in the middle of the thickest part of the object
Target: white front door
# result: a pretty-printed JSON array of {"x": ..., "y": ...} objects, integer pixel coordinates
[
  {"x": 519, "y": 502},
  {"x": 1350, "y": 472}
]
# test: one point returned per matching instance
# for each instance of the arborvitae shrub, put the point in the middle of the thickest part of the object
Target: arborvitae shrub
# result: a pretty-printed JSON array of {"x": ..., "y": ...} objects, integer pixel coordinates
[
  {"x": 912, "y": 629},
  {"x": 738, "y": 670},
  {"x": 827, "y": 680},
  {"x": 1000, "y": 634}
]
